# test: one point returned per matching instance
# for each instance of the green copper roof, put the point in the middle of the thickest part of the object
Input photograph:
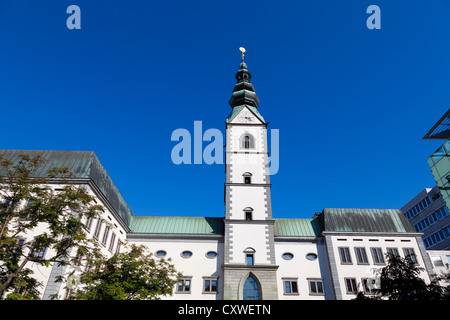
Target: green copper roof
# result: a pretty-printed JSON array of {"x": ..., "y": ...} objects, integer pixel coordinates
[
  {"x": 215, "y": 226},
  {"x": 364, "y": 220},
  {"x": 296, "y": 228},
  {"x": 243, "y": 92},
  {"x": 83, "y": 165},
  {"x": 177, "y": 225}
]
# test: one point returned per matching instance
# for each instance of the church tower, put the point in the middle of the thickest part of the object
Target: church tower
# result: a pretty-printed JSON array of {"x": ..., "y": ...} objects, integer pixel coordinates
[{"x": 249, "y": 267}]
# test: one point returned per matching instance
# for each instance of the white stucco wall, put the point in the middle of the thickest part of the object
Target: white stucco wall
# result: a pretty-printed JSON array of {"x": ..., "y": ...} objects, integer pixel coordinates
[
  {"x": 249, "y": 236},
  {"x": 302, "y": 269},
  {"x": 196, "y": 267},
  {"x": 360, "y": 271}
]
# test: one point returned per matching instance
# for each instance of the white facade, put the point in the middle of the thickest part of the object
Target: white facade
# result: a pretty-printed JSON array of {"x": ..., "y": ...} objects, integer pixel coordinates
[{"x": 441, "y": 262}]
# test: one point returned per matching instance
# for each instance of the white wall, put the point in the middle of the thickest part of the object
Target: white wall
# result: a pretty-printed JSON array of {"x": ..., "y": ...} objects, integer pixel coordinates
[
  {"x": 359, "y": 271},
  {"x": 249, "y": 236},
  {"x": 197, "y": 266},
  {"x": 302, "y": 269}
]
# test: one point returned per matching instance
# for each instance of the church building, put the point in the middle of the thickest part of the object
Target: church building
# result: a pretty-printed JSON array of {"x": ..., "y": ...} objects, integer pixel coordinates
[{"x": 246, "y": 254}]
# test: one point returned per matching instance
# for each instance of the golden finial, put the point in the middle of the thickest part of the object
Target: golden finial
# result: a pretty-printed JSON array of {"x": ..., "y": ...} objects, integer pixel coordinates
[{"x": 242, "y": 49}]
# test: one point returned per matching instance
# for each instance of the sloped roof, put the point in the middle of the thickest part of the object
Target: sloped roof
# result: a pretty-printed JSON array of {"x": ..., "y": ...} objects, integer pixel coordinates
[
  {"x": 177, "y": 225},
  {"x": 296, "y": 228},
  {"x": 364, "y": 220},
  {"x": 83, "y": 165},
  {"x": 215, "y": 226}
]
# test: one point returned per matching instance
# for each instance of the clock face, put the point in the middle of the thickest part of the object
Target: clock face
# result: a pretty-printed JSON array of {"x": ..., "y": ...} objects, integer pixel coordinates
[{"x": 246, "y": 117}]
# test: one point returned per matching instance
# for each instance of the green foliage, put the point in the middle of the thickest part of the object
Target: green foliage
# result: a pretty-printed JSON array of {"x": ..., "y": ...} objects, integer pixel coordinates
[
  {"x": 132, "y": 275},
  {"x": 27, "y": 203},
  {"x": 400, "y": 280}
]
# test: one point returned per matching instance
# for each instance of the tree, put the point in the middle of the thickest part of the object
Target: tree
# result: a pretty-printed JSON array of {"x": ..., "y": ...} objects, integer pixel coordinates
[
  {"x": 400, "y": 280},
  {"x": 39, "y": 225},
  {"x": 131, "y": 275},
  {"x": 444, "y": 277}
]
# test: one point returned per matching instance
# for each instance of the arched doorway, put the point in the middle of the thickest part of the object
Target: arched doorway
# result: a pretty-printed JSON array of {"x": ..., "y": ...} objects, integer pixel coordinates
[{"x": 251, "y": 289}]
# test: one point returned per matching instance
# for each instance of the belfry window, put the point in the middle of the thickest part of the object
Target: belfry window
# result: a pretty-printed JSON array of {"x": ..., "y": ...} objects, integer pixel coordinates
[{"x": 247, "y": 141}]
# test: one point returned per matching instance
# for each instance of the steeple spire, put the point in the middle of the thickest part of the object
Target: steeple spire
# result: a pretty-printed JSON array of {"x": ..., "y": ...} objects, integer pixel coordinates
[
  {"x": 243, "y": 92},
  {"x": 242, "y": 49}
]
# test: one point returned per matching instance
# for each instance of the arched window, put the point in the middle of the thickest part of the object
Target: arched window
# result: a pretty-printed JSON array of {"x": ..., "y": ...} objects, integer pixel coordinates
[
  {"x": 248, "y": 213},
  {"x": 247, "y": 141},
  {"x": 251, "y": 289},
  {"x": 249, "y": 256},
  {"x": 247, "y": 178}
]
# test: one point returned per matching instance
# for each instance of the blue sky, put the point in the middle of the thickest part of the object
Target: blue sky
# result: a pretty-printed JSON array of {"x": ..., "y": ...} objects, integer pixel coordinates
[{"x": 351, "y": 104}]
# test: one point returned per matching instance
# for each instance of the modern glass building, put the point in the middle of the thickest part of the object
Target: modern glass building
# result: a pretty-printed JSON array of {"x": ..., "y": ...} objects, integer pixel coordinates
[{"x": 439, "y": 163}]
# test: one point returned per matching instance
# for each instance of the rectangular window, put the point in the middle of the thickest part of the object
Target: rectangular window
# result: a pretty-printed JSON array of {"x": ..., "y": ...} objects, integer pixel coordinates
[
  {"x": 290, "y": 286},
  {"x": 98, "y": 228},
  {"x": 377, "y": 255},
  {"x": 410, "y": 254},
  {"x": 361, "y": 256},
  {"x": 316, "y": 287},
  {"x": 17, "y": 247},
  {"x": 437, "y": 261},
  {"x": 39, "y": 252},
  {"x": 344, "y": 252},
  {"x": 248, "y": 215},
  {"x": 88, "y": 223},
  {"x": 111, "y": 243},
  {"x": 105, "y": 235},
  {"x": 184, "y": 285},
  {"x": 249, "y": 259},
  {"x": 393, "y": 251},
  {"x": 210, "y": 285},
  {"x": 119, "y": 244},
  {"x": 350, "y": 284},
  {"x": 247, "y": 180},
  {"x": 366, "y": 286}
]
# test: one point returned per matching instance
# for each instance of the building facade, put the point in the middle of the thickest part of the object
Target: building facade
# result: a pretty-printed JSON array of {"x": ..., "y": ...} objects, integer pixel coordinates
[
  {"x": 439, "y": 162},
  {"x": 247, "y": 254},
  {"x": 427, "y": 212}
]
